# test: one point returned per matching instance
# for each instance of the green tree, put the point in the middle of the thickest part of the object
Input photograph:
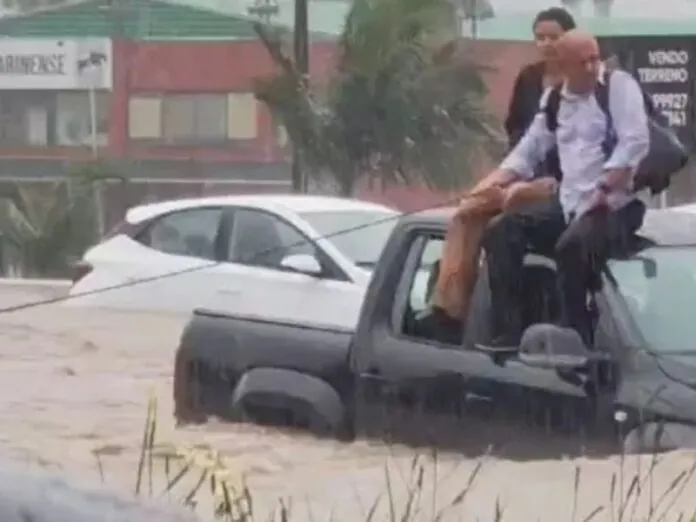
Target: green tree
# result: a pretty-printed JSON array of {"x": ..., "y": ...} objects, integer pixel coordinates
[
  {"x": 401, "y": 106},
  {"x": 44, "y": 231}
]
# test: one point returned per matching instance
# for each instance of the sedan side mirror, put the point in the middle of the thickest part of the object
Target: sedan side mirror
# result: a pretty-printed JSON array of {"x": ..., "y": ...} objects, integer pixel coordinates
[
  {"x": 303, "y": 264},
  {"x": 551, "y": 347}
]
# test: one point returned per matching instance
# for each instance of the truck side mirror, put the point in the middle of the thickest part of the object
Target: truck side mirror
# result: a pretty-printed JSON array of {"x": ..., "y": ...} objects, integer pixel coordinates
[{"x": 551, "y": 347}]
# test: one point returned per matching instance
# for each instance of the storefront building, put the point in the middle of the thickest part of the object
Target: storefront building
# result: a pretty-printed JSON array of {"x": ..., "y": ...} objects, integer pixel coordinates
[
  {"x": 173, "y": 98},
  {"x": 54, "y": 93},
  {"x": 164, "y": 91}
]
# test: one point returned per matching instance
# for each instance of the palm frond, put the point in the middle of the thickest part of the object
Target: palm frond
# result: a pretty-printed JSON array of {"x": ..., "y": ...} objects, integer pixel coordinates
[
  {"x": 398, "y": 107},
  {"x": 44, "y": 233}
]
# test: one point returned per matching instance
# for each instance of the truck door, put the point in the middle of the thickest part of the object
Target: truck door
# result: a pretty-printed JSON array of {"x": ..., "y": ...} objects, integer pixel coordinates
[{"x": 420, "y": 371}]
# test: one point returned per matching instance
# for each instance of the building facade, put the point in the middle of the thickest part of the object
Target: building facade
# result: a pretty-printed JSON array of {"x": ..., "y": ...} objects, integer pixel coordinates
[
  {"x": 163, "y": 90},
  {"x": 54, "y": 94},
  {"x": 181, "y": 106}
]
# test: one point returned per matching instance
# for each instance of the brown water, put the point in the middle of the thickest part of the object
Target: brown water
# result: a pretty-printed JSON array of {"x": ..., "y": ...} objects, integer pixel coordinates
[{"x": 74, "y": 381}]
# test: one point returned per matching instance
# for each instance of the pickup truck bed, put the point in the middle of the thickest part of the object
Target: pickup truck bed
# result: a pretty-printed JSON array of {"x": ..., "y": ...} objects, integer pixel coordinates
[{"x": 218, "y": 351}]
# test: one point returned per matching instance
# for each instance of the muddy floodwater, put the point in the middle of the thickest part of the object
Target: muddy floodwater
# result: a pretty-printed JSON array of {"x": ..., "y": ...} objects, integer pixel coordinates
[{"x": 74, "y": 381}]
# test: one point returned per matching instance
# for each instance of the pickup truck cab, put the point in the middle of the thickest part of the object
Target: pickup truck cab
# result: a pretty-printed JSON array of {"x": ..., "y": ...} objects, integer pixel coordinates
[{"x": 638, "y": 381}]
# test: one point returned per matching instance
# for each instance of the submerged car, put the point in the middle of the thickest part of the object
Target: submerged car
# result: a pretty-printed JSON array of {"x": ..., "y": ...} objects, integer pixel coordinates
[
  {"x": 638, "y": 381},
  {"x": 276, "y": 256}
]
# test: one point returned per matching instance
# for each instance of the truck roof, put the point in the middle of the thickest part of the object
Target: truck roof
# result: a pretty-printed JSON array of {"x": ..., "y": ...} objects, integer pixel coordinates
[{"x": 668, "y": 227}]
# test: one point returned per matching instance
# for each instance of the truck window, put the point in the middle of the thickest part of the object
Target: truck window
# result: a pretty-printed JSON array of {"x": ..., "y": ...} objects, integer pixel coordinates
[
  {"x": 412, "y": 315},
  {"x": 423, "y": 279}
]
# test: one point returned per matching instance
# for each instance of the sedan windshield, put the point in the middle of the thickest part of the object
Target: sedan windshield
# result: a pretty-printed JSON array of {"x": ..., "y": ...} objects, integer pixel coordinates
[
  {"x": 358, "y": 235},
  {"x": 659, "y": 286}
]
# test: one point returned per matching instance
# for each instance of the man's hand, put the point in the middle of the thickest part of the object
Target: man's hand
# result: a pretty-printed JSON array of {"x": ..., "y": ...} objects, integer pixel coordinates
[
  {"x": 599, "y": 199},
  {"x": 488, "y": 200},
  {"x": 619, "y": 179},
  {"x": 497, "y": 178},
  {"x": 547, "y": 185}
]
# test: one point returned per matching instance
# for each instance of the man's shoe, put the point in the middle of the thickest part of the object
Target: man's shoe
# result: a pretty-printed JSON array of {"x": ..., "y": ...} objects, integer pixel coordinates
[
  {"x": 435, "y": 324},
  {"x": 448, "y": 329}
]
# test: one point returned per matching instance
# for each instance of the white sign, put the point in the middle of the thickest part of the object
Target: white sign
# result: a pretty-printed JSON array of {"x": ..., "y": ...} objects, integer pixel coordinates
[{"x": 73, "y": 64}]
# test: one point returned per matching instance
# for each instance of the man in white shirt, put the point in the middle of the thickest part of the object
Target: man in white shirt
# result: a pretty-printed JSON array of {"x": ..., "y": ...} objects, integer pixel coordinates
[{"x": 597, "y": 207}]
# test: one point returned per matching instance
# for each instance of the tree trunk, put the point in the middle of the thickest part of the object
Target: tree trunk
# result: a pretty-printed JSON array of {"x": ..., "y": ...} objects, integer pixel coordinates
[{"x": 346, "y": 185}]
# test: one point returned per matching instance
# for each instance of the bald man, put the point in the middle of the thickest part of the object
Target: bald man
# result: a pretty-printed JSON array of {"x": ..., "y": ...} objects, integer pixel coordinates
[{"x": 597, "y": 208}]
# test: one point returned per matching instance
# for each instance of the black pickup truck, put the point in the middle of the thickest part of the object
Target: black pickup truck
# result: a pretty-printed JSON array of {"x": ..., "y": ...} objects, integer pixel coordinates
[{"x": 639, "y": 379}]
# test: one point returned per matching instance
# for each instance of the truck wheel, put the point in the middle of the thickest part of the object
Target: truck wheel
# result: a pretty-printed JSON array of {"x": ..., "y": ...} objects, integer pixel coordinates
[
  {"x": 292, "y": 414},
  {"x": 656, "y": 437},
  {"x": 288, "y": 398}
]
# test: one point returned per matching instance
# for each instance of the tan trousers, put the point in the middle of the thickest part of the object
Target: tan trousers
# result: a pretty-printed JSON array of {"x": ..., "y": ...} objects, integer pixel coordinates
[{"x": 462, "y": 250}]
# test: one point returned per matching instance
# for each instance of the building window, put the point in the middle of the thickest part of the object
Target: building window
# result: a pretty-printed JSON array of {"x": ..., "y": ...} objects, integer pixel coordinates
[
  {"x": 73, "y": 122},
  {"x": 241, "y": 116},
  {"x": 18, "y": 120},
  {"x": 190, "y": 119},
  {"x": 194, "y": 118},
  {"x": 145, "y": 118},
  {"x": 41, "y": 118}
]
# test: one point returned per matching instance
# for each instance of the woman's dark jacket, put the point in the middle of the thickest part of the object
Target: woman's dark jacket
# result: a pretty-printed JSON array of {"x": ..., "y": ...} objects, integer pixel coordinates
[{"x": 524, "y": 105}]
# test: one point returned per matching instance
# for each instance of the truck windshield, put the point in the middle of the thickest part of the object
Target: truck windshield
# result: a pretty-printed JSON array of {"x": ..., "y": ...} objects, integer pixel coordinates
[
  {"x": 660, "y": 289},
  {"x": 358, "y": 235}
]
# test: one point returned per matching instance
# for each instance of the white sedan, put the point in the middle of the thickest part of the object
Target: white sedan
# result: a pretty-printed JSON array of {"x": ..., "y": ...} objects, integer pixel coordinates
[{"x": 285, "y": 257}]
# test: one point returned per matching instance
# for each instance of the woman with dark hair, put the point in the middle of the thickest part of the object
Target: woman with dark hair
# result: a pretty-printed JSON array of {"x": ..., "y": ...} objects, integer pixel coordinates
[
  {"x": 549, "y": 25},
  {"x": 457, "y": 272}
]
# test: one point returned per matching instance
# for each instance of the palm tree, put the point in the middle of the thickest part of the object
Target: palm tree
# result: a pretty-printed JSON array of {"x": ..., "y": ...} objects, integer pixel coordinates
[
  {"x": 401, "y": 107},
  {"x": 44, "y": 232}
]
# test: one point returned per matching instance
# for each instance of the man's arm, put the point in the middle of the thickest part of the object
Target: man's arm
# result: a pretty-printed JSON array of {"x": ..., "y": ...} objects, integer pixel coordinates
[
  {"x": 630, "y": 120},
  {"x": 531, "y": 150}
]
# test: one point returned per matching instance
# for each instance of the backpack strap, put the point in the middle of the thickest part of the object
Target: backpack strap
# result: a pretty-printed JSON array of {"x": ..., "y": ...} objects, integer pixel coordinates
[
  {"x": 553, "y": 103},
  {"x": 550, "y": 108},
  {"x": 602, "y": 97}
]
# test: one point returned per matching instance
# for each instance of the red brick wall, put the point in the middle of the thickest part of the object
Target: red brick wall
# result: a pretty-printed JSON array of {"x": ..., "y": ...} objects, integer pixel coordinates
[
  {"x": 158, "y": 67},
  {"x": 503, "y": 60},
  {"x": 228, "y": 66}
]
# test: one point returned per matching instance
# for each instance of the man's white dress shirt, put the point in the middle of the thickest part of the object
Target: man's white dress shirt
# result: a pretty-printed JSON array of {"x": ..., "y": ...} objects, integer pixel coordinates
[{"x": 580, "y": 137}]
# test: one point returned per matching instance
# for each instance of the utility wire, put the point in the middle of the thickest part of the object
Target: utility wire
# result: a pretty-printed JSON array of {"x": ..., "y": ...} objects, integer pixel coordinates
[
  {"x": 133, "y": 282},
  {"x": 188, "y": 270}
]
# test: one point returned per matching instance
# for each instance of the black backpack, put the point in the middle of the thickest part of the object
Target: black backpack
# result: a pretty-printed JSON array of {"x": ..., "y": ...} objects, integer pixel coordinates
[{"x": 667, "y": 155}]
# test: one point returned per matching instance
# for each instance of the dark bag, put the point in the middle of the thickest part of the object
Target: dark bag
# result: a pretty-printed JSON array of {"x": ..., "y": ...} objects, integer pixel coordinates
[{"x": 667, "y": 155}]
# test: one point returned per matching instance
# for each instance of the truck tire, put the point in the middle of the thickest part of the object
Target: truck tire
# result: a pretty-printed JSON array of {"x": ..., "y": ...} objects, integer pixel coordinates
[
  {"x": 654, "y": 437},
  {"x": 291, "y": 395}
]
